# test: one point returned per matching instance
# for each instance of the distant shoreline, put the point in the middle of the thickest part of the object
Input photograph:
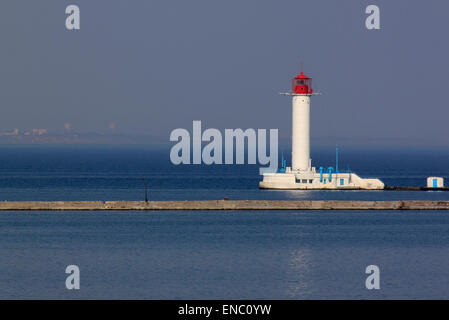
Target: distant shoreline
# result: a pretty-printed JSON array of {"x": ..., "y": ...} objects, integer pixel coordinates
[{"x": 222, "y": 205}]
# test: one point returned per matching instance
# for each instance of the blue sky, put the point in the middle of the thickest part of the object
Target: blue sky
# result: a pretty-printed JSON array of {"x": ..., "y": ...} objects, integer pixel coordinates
[{"x": 153, "y": 66}]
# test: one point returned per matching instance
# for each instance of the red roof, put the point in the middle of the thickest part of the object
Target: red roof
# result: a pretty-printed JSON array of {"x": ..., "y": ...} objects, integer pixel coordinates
[{"x": 302, "y": 76}]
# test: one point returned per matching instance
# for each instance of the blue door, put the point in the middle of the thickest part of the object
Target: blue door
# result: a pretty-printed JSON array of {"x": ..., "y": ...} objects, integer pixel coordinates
[{"x": 435, "y": 183}]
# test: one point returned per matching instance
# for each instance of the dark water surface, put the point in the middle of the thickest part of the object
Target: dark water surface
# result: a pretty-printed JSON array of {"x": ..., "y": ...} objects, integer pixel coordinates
[{"x": 229, "y": 254}]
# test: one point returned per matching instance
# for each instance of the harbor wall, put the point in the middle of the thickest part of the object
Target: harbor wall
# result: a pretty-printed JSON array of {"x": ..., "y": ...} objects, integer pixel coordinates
[{"x": 225, "y": 205}]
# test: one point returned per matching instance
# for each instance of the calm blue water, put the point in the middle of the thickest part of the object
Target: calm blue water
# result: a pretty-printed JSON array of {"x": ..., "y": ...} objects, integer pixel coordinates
[{"x": 230, "y": 255}]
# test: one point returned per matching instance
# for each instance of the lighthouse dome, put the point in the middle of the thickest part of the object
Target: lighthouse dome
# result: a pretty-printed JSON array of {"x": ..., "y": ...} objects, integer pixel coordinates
[{"x": 302, "y": 84}]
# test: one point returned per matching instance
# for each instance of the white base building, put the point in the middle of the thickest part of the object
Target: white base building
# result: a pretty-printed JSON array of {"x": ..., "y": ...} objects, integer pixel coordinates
[
  {"x": 313, "y": 180},
  {"x": 435, "y": 182}
]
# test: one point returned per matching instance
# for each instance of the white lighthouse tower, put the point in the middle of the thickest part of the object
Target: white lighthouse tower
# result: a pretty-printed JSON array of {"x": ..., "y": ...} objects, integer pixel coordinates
[
  {"x": 301, "y": 174},
  {"x": 301, "y": 92}
]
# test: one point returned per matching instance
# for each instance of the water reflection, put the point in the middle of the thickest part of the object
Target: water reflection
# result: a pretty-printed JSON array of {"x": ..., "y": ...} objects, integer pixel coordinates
[
  {"x": 300, "y": 274},
  {"x": 297, "y": 194}
]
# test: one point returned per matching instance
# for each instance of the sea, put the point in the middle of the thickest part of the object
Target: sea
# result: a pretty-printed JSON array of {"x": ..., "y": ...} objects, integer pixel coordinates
[{"x": 216, "y": 254}]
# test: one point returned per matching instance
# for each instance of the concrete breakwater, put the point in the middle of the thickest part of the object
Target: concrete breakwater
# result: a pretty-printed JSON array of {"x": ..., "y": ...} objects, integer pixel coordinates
[
  {"x": 226, "y": 205},
  {"x": 407, "y": 188}
]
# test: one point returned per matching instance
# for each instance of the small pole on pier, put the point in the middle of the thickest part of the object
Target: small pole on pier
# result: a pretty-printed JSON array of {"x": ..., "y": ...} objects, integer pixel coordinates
[
  {"x": 145, "y": 181},
  {"x": 336, "y": 160}
]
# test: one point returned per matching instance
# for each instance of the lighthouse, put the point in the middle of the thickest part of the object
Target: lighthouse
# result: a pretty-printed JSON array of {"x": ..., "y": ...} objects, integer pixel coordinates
[
  {"x": 301, "y": 93},
  {"x": 301, "y": 174}
]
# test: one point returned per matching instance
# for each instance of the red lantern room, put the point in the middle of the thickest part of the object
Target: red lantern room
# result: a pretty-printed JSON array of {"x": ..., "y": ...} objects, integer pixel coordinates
[{"x": 302, "y": 84}]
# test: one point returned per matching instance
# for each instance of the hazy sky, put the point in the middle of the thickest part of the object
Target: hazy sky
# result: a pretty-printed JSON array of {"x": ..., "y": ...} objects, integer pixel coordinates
[{"x": 153, "y": 66}]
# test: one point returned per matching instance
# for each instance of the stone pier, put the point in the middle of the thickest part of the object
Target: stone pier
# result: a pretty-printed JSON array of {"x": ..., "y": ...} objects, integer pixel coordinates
[{"x": 225, "y": 205}]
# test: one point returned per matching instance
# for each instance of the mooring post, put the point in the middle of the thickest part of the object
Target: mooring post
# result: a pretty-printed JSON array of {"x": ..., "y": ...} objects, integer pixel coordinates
[
  {"x": 145, "y": 182},
  {"x": 336, "y": 160}
]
